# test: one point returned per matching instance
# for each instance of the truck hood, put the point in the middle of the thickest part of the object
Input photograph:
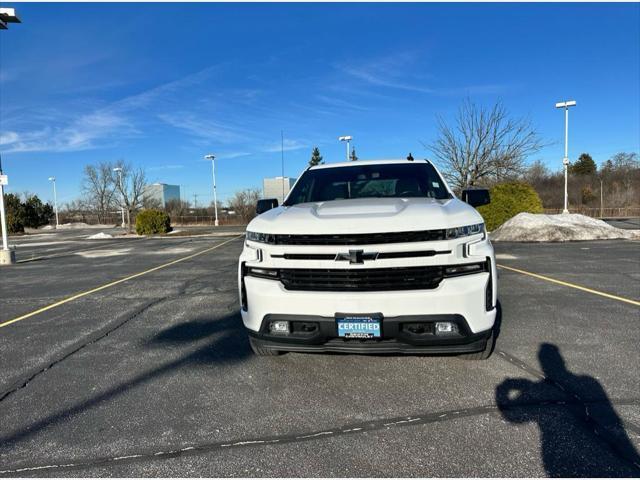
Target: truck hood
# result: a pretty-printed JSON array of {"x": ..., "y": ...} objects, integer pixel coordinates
[{"x": 366, "y": 215}]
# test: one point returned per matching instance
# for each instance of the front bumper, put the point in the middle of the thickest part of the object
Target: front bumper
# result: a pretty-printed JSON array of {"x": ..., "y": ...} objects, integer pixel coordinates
[
  {"x": 396, "y": 337},
  {"x": 463, "y": 296}
]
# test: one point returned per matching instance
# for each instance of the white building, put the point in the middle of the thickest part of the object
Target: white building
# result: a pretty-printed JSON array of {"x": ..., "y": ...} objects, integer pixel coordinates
[
  {"x": 161, "y": 193},
  {"x": 274, "y": 187}
]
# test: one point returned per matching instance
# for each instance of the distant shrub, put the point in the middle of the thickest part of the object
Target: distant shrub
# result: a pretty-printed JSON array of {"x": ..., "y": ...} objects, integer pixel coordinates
[
  {"x": 15, "y": 213},
  {"x": 30, "y": 213},
  {"x": 507, "y": 200},
  {"x": 152, "y": 221},
  {"x": 14, "y": 225}
]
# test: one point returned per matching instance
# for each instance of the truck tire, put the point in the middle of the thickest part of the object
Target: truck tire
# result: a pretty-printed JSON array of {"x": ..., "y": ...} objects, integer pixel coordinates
[
  {"x": 482, "y": 354},
  {"x": 261, "y": 351}
]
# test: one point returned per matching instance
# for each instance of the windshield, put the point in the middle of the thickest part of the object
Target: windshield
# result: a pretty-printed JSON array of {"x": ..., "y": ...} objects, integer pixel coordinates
[{"x": 366, "y": 181}]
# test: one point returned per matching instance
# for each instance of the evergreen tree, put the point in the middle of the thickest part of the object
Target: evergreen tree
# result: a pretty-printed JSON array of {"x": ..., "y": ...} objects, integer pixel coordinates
[
  {"x": 316, "y": 158},
  {"x": 584, "y": 165},
  {"x": 15, "y": 213},
  {"x": 36, "y": 213},
  {"x": 353, "y": 157}
]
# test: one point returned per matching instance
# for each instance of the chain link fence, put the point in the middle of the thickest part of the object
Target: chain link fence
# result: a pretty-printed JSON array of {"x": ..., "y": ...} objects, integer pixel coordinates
[
  {"x": 595, "y": 212},
  {"x": 176, "y": 220}
]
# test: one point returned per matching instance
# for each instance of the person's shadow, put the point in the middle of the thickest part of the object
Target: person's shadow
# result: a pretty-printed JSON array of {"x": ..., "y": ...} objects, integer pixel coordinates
[{"x": 564, "y": 452}]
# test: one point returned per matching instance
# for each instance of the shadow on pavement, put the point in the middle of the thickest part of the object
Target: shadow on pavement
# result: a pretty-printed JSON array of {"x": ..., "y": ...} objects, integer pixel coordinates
[
  {"x": 562, "y": 455},
  {"x": 231, "y": 347}
]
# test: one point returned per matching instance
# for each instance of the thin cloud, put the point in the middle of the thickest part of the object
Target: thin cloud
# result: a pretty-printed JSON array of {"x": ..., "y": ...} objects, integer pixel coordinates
[
  {"x": 104, "y": 126},
  {"x": 231, "y": 155},
  {"x": 387, "y": 72},
  {"x": 395, "y": 73},
  {"x": 380, "y": 79},
  {"x": 199, "y": 126},
  {"x": 341, "y": 104},
  {"x": 165, "y": 167},
  {"x": 287, "y": 146},
  {"x": 7, "y": 138},
  {"x": 81, "y": 134}
]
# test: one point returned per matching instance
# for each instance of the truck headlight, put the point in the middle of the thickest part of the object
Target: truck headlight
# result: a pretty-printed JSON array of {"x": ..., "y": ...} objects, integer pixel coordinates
[
  {"x": 465, "y": 269},
  {"x": 465, "y": 231},
  {"x": 261, "y": 237},
  {"x": 260, "y": 272}
]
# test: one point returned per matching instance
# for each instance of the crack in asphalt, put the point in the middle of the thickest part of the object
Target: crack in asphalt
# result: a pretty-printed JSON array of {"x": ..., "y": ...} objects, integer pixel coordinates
[
  {"x": 383, "y": 424},
  {"x": 95, "y": 337},
  {"x": 78, "y": 346},
  {"x": 592, "y": 423}
]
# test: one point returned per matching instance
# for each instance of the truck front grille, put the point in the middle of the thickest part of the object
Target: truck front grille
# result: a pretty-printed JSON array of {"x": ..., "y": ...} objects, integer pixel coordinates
[
  {"x": 362, "y": 279},
  {"x": 361, "y": 238}
]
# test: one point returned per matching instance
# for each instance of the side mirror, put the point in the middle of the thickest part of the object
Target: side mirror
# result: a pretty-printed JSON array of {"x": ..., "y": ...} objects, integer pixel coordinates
[
  {"x": 476, "y": 196},
  {"x": 266, "y": 204}
]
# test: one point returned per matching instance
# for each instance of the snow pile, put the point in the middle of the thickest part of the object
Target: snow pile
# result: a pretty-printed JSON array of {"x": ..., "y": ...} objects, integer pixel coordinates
[
  {"x": 531, "y": 227},
  {"x": 104, "y": 253},
  {"x": 82, "y": 225},
  {"x": 47, "y": 227},
  {"x": 73, "y": 225},
  {"x": 99, "y": 236}
]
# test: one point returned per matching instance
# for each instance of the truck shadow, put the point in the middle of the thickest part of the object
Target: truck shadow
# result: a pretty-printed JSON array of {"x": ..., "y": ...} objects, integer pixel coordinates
[
  {"x": 518, "y": 400},
  {"x": 228, "y": 347}
]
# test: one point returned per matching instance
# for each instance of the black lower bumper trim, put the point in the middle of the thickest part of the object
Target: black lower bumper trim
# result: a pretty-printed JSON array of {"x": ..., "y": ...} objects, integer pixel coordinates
[
  {"x": 395, "y": 337},
  {"x": 372, "y": 347}
]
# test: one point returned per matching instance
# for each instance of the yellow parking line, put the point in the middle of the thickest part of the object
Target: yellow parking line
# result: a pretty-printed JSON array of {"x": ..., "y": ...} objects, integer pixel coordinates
[
  {"x": 572, "y": 285},
  {"x": 111, "y": 284}
]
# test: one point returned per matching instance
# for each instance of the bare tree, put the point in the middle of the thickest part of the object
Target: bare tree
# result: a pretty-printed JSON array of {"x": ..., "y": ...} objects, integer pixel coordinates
[
  {"x": 130, "y": 185},
  {"x": 98, "y": 188},
  {"x": 244, "y": 203},
  {"x": 176, "y": 208},
  {"x": 483, "y": 145}
]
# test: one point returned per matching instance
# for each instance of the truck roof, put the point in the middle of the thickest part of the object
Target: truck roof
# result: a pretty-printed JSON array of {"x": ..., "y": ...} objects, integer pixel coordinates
[{"x": 366, "y": 162}]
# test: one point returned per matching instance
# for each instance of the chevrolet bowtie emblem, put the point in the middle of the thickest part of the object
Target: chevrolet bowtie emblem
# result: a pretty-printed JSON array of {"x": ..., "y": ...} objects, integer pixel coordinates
[{"x": 356, "y": 256}]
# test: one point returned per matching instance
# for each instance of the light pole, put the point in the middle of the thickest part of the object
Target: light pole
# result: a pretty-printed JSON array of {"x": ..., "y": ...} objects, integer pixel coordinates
[
  {"x": 215, "y": 196},
  {"x": 7, "y": 257},
  {"x": 55, "y": 199},
  {"x": 565, "y": 160},
  {"x": 119, "y": 171},
  {"x": 346, "y": 138},
  {"x": 601, "y": 198}
]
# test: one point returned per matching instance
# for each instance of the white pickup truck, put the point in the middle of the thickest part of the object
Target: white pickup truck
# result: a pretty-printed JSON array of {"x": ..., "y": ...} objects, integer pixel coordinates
[{"x": 370, "y": 257}]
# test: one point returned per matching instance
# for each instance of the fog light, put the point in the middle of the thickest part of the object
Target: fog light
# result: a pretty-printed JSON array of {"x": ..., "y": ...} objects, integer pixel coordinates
[
  {"x": 443, "y": 328},
  {"x": 417, "y": 328},
  {"x": 280, "y": 326}
]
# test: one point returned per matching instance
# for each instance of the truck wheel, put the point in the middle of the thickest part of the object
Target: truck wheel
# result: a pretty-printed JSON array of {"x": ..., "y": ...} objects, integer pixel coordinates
[
  {"x": 261, "y": 351},
  {"x": 482, "y": 354}
]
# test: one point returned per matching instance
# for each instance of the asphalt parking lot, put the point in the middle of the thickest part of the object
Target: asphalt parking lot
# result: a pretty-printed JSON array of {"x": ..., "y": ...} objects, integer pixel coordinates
[{"x": 126, "y": 357}]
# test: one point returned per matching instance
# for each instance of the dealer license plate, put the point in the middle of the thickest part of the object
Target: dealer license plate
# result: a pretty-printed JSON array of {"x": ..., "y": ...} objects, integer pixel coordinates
[{"x": 359, "y": 326}]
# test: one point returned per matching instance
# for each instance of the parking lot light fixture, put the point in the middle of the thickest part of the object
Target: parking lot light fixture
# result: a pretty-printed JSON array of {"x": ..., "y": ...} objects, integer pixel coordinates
[
  {"x": 215, "y": 197},
  {"x": 346, "y": 138},
  {"x": 55, "y": 199},
  {"x": 565, "y": 160},
  {"x": 119, "y": 171},
  {"x": 8, "y": 15}
]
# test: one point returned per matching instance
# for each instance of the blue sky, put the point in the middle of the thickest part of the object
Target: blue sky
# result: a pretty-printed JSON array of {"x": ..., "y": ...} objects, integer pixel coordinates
[{"x": 160, "y": 85}]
